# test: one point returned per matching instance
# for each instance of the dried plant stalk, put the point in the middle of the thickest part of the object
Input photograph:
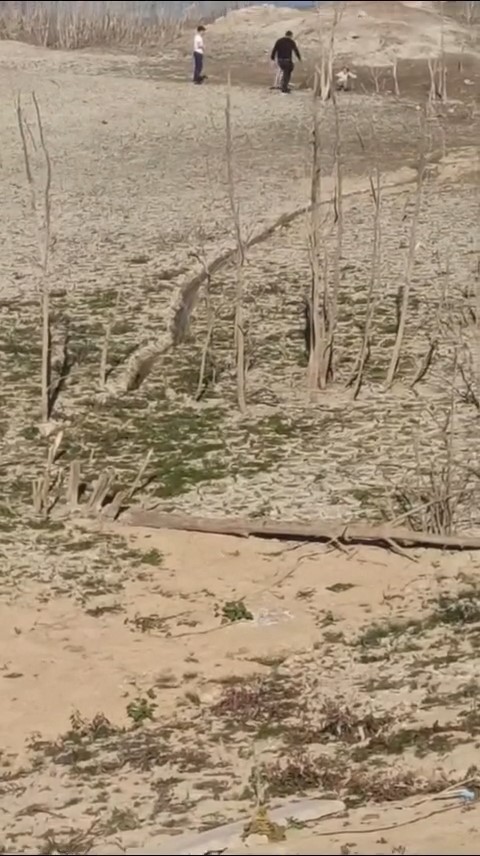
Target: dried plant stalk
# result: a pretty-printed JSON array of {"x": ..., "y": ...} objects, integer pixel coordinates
[
  {"x": 338, "y": 204},
  {"x": 373, "y": 288},
  {"x": 240, "y": 259},
  {"x": 210, "y": 327},
  {"x": 107, "y": 333},
  {"x": 41, "y": 212},
  {"x": 41, "y": 486},
  {"x": 396, "y": 87},
  {"x": 73, "y": 486},
  {"x": 100, "y": 491},
  {"x": 138, "y": 478},
  {"x": 316, "y": 321},
  {"x": 412, "y": 247},
  {"x": 323, "y": 85}
]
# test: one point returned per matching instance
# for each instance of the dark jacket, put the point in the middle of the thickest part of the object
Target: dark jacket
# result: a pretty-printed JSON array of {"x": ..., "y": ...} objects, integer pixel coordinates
[{"x": 284, "y": 48}]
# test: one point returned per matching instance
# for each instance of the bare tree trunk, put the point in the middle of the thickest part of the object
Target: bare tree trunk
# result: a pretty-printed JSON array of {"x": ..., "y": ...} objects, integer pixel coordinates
[
  {"x": 316, "y": 325},
  {"x": 396, "y": 87},
  {"x": 432, "y": 70},
  {"x": 470, "y": 10},
  {"x": 372, "y": 295},
  {"x": 332, "y": 310},
  {"x": 376, "y": 74},
  {"x": 443, "y": 64},
  {"x": 412, "y": 247},
  {"x": 41, "y": 212},
  {"x": 476, "y": 339},
  {"x": 323, "y": 530},
  {"x": 324, "y": 81},
  {"x": 322, "y": 305},
  {"x": 450, "y": 425},
  {"x": 210, "y": 327},
  {"x": 239, "y": 323},
  {"x": 109, "y": 324}
]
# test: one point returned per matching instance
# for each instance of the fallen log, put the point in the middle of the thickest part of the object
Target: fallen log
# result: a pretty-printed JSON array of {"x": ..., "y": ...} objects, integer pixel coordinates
[{"x": 292, "y": 530}]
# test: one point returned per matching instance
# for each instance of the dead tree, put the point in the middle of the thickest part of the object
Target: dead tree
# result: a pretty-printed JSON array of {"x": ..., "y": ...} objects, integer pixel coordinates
[
  {"x": 373, "y": 288},
  {"x": 338, "y": 213},
  {"x": 40, "y": 205},
  {"x": 407, "y": 284},
  {"x": 322, "y": 300},
  {"x": 316, "y": 315},
  {"x": 437, "y": 68},
  {"x": 240, "y": 259},
  {"x": 396, "y": 87},
  {"x": 324, "y": 77},
  {"x": 210, "y": 327}
]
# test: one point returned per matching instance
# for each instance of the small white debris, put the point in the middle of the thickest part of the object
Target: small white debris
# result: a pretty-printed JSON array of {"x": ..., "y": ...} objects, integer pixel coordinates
[{"x": 256, "y": 840}]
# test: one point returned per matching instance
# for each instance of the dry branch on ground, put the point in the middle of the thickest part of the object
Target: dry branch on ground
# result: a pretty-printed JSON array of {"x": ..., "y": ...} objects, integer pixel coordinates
[{"x": 292, "y": 530}]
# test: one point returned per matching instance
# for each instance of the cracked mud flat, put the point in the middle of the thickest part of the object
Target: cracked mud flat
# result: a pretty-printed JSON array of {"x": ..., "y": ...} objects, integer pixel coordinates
[
  {"x": 357, "y": 678},
  {"x": 129, "y": 206}
]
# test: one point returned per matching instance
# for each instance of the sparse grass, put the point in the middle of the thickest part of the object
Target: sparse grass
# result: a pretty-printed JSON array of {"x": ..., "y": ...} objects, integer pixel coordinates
[
  {"x": 149, "y": 623},
  {"x": 76, "y": 841},
  {"x": 340, "y": 722},
  {"x": 232, "y": 611},
  {"x": 77, "y": 744},
  {"x": 421, "y": 740},
  {"x": 326, "y": 775},
  {"x": 121, "y": 820},
  {"x": 152, "y": 557},
  {"x": 376, "y": 634},
  {"x": 259, "y": 702},
  {"x": 141, "y": 710},
  {"x": 462, "y": 608}
]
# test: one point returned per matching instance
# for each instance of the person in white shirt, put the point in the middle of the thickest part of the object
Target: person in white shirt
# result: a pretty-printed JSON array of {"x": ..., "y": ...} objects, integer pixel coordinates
[
  {"x": 344, "y": 77},
  {"x": 198, "y": 55}
]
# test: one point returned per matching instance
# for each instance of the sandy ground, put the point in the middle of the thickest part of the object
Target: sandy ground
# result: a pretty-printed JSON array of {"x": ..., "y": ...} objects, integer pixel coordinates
[
  {"x": 152, "y": 682},
  {"x": 208, "y": 692}
]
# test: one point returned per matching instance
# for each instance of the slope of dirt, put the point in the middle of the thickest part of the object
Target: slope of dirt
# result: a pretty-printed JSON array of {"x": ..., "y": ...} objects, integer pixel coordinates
[
  {"x": 368, "y": 33},
  {"x": 369, "y": 36}
]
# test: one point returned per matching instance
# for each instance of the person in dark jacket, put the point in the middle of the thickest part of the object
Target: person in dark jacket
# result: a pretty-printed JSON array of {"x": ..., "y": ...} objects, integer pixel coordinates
[{"x": 282, "y": 53}]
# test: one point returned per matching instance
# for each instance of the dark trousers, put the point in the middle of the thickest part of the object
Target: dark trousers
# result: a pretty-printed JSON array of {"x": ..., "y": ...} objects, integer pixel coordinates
[
  {"x": 197, "y": 67},
  {"x": 286, "y": 66}
]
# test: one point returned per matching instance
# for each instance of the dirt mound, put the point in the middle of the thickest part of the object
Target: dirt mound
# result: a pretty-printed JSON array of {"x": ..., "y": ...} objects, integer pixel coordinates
[{"x": 370, "y": 33}]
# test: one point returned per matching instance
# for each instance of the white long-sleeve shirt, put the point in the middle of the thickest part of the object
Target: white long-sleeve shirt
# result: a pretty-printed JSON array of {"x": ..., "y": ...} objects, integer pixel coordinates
[{"x": 198, "y": 45}]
